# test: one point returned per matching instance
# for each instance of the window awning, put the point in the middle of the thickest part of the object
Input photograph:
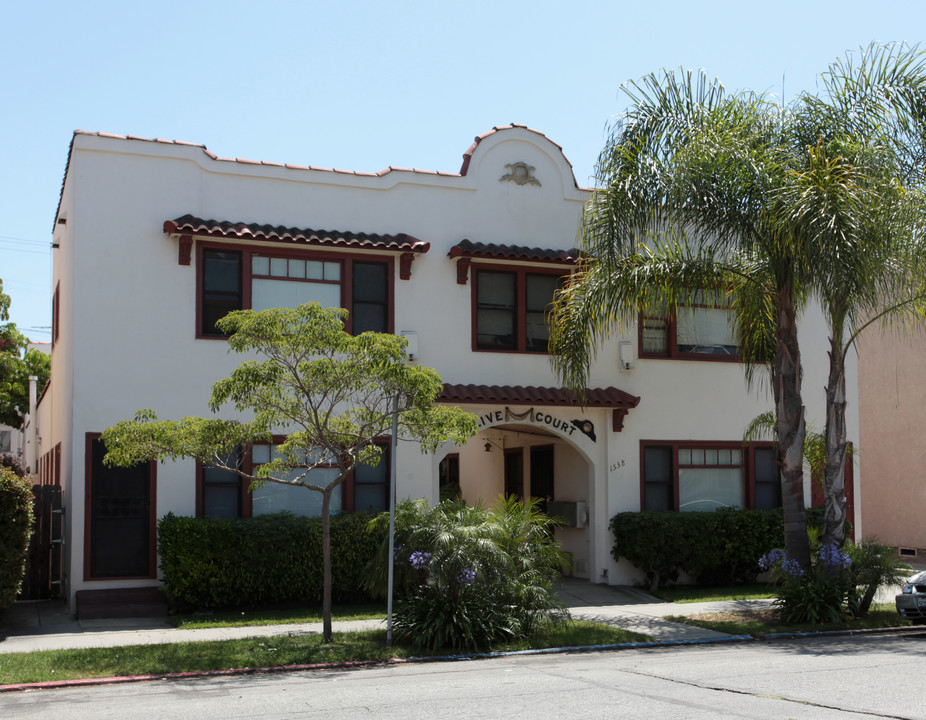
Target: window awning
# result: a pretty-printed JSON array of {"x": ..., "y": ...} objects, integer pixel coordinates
[
  {"x": 495, "y": 251},
  {"x": 188, "y": 226}
]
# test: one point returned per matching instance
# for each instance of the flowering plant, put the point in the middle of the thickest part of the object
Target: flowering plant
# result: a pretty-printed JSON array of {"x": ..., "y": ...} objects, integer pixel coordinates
[{"x": 824, "y": 592}]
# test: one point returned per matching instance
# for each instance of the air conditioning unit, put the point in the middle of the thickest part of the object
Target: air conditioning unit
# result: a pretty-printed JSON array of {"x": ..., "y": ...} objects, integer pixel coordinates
[{"x": 569, "y": 514}]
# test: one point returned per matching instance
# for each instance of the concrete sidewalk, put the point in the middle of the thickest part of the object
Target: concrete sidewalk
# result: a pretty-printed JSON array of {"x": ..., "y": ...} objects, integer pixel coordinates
[
  {"x": 636, "y": 610},
  {"x": 47, "y": 625}
]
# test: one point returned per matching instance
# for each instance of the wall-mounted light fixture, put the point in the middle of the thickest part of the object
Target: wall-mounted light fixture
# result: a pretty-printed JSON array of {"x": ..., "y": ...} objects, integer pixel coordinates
[{"x": 489, "y": 444}]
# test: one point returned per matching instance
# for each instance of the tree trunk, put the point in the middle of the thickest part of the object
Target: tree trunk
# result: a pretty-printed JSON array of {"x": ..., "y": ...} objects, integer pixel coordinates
[
  {"x": 789, "y": 416},
  {"x": 834, "y": 473},
  {"x": 326, "y": 565}
]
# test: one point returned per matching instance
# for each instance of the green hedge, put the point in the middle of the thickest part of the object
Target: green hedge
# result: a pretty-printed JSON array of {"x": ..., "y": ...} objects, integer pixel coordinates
[
  {"x": 715, "y": 548},
  {"x": 15, "y": 531},
  {"x": 217, "y": 563}
]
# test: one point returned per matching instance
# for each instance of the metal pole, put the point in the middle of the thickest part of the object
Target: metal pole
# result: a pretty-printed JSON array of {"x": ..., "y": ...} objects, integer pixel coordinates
[{"x": 391, "y": 559}]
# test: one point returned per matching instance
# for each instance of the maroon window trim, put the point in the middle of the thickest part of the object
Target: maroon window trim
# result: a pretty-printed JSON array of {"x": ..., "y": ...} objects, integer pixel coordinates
[
  {"x": 749, "y": 464},
  {"x": 347, "y": 487},
  {"x": 346, "y": 261},
  {"x": 55, "y": 314},
  {"x": 244, "y": 493},
  {"x": 520, "y": 273},
  {"x": 88, "y": 512},
  {"x": 672, "y": 351}
]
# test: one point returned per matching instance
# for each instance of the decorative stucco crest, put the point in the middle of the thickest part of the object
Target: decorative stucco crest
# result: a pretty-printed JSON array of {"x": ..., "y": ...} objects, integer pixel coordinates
[{"x": 520, "y": 173}]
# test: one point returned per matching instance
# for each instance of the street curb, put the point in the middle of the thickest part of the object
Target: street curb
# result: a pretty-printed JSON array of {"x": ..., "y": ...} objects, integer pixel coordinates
[{"x": 357, "y": 664}]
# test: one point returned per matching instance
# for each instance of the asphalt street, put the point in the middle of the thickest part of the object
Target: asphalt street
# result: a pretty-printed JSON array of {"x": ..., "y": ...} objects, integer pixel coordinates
[{"x": 865, "y": 676}]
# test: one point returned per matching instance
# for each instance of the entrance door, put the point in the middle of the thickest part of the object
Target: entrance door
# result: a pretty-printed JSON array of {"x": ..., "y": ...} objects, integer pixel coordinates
[
  {"x": 120, "y": 517},
  {"x": 514, "y": 473},
  {"x": 542, "y": 474}
]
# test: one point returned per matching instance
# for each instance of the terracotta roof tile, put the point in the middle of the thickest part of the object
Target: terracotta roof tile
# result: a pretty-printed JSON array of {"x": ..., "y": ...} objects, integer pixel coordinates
[
  {"x": 609, "y": 397},
  {"x": 468, "y": 248},
  {"x": 278, "y": 233}
]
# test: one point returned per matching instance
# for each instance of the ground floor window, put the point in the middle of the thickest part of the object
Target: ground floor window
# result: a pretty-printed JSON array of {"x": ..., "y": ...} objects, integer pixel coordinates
[
  {"x": 691, "y": 476},
  {"x": 225, "y": 493}
]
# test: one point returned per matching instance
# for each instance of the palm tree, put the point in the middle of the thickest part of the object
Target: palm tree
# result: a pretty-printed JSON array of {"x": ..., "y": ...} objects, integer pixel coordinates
[
  {"x": 862, "y": 195},
  {"x": 761, "y": 194}
]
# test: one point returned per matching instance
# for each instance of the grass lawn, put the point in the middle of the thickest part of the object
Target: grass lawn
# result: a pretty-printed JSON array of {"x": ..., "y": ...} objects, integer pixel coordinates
[
  {"x": 282, "y": 616},
  {"x": 764, "y": 622},
  {"x": 696, "y": 593},
  {"x": 262, "y": 652}
]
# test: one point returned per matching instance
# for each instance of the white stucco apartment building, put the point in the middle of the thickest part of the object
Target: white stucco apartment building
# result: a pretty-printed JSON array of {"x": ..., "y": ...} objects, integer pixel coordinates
[{"x": 154, "y": 240}]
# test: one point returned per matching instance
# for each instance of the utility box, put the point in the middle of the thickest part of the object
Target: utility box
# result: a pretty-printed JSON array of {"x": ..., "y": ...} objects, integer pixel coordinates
[{"x": 569, "y": 514}]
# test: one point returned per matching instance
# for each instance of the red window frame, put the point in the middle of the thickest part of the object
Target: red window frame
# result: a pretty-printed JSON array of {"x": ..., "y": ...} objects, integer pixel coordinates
[
  {"x": 245, "y": 503},
  {"x": 55, "y": 314},
  {"x": 672, "y": 352},
  {"x": 748, "y": 465},
  {"x": 346, "y": 260},
  {"x": 520, "y": 272}
]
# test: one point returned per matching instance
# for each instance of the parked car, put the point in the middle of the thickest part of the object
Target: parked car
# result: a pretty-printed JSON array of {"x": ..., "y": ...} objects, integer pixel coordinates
[{"x": 911, "y": 602}]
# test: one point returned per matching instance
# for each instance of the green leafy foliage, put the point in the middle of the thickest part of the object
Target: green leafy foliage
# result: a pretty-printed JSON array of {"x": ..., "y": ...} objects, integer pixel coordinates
[
  {"x": 715, "y": 548},
  {"x": 774, "y": 203},
  {"x": 873, "y": 566},
  {"x": 838, "y": 584},
  {"x": 17, "y": 364},
  {"x": 15, "y": 532},
  {"x": 331, "y": 394},
  {"x": 467, "y": 577},
  {"x": 211, "y": 563}
]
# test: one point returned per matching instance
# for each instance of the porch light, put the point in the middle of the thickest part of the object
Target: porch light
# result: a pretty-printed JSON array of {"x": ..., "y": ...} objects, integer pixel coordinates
[{"x": 488, "y": 446}]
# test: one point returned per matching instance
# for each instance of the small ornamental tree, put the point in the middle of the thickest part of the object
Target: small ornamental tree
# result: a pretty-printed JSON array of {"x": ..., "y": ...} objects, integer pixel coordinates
[
  {"x": 17, "y": 364},
  {"x": 330, "y": 394}
]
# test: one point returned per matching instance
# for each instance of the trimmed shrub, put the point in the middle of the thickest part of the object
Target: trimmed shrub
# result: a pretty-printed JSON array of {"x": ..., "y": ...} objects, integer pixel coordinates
[
  {"x": 715, "y": 548},
  {"x": 214, "y": 563},
  {"x": 15, "y": 532}
]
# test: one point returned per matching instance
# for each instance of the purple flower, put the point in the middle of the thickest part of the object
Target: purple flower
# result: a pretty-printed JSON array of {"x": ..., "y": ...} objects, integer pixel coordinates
[
  {"x": 771, "y": 559},
  {"x": 419, "y": 559},
  {"x": 792, "y": 568},
  {"x": 467, "y": 576},
  {"x": 833, "y": 557}
]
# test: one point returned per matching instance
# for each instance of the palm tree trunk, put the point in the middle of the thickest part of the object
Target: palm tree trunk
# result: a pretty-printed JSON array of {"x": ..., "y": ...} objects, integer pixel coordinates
[
  {"x": 834, "y": 474},
  {"x": 326, "y": 565},
  {"x": 789, "y": 414}
]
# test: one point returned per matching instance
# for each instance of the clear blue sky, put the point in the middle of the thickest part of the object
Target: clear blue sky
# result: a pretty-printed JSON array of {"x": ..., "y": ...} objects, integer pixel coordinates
[{"x": 363, "y": 85}]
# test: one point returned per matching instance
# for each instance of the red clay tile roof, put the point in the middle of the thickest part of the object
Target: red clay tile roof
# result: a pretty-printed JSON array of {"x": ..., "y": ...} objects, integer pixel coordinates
[
  {"x": 188, "y": 224},
  {"x": 468, "y": 248},
  {"x": 520, "y": 395}
]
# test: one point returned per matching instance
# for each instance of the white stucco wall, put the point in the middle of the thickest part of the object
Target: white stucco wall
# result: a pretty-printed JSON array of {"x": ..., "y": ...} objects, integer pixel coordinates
[{"x": 128, "y": 312}]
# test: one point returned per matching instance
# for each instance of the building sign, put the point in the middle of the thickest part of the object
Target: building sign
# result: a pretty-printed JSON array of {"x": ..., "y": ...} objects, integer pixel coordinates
[{"x": 539, "y": 417}]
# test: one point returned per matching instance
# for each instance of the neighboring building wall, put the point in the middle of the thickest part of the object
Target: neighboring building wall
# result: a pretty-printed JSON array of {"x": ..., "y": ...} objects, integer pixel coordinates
[{"x": 893, "y": 416}]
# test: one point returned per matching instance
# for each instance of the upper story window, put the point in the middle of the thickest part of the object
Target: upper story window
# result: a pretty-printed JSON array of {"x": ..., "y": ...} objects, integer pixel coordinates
[
  {"x": 236, "y": 279},
  {"x": 699, "y": 331},
  {"x": 709, "y": 475},
  {"x": 511, "y": 308}
]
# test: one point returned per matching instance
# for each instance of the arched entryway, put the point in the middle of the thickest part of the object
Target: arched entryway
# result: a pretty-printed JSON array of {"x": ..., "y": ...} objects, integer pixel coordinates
[{"x": 527, "y": 461}]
